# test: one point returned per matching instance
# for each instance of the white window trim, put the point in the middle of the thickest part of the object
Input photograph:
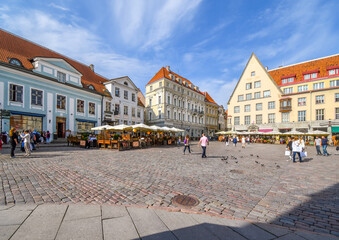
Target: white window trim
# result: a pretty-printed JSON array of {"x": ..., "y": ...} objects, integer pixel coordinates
[
  {"x": 42, "y": 107},
  {"x": 56, "y": 100},
  {"x": 76, "y": 106},
  {"x": 95, "y": 109},
  {"x": 17, "y": 104}
]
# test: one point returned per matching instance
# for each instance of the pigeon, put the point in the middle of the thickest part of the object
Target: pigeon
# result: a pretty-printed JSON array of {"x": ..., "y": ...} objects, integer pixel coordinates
[
  {"x": 257, "y": 162},
  {"x": 236, "y": 161},
  {"x": 278, "y": 166},
  {"x": 251, "y": 155},
  {"x": 262, "y": 165},
  {"x": 257, "y": 156},
  {"x": 241, "y": 156}
]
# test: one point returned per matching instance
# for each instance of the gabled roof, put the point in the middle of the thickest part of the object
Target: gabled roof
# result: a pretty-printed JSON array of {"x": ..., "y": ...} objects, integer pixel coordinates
[
  {"x": 164, "y": 73},
  {"x": 12, "y": 46},
  {"x": 140, "y": 103},
  {"x": 269, "y": 76},
  {"x": 298, "y": 70},
  {"x": 122, "y": 79},
  {"x": 208, "y": 98}
]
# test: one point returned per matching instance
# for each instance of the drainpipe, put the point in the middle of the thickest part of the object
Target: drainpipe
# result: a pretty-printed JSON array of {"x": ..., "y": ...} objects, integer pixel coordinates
[
  {"x": 311, "y": 110},
  {"x": 102, "y": 109}
]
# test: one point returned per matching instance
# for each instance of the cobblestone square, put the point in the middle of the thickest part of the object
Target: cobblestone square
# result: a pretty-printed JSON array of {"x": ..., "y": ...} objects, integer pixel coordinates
[{"x": 256, "y": 183}]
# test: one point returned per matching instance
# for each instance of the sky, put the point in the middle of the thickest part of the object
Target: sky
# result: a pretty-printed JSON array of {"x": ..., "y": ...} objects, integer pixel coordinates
[{"x": 206, "y": 41}]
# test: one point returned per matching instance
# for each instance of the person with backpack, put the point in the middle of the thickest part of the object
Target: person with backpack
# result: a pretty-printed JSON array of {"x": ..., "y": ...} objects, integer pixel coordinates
[
  {"x": 187, "y": 144},
  {"x": 235, "y": 140},
  {"x": 13, "y": 140},
  {"x": 48, "y": 137},
  {"x": 324, "y": 144}
]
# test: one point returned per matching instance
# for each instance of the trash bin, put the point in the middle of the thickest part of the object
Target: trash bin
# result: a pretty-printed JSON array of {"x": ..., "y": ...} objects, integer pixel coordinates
[{"x": 55, "y": 136}]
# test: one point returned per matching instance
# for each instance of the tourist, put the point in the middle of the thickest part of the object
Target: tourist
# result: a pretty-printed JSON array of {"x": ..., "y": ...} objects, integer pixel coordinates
[
  {"x": 179, "y": 140},
  {"x": 48, "y": 137},
  {"x": 13, "y": 140},
  {"x": 226, "y": 140},
  {"x": 43, "y": 137},
  {"x": 297, "y": 148},
  {"x": 289, "y": 147},
  {"x": 324, "y": 143},
  {"x": 317, "y": 144},
  {"x": 187, "y": 144},
  {"x": 33, "y": 139},
  {"x": 243, "y": 142},
  {"x": 203, "y": 142},
  {"x": 235, "y": 140},
  {"x": 27, "y": 142}
]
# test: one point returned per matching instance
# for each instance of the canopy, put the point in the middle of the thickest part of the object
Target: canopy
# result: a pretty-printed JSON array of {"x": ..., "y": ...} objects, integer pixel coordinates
[
  {"x": 221, "y": 133},
  {"x": 273, "y": 133},
  {"x": 231, "y": 132},
  {"x": 177, "y": 129},
  {"x": 141, "y": 127},
  {"x": 166, "y": 129},
  {"x": 317, "y": 132},
  {"x": 155, "y": 128},
  {"x": 121, "y": 127},
  {"x": 293, "y": 133},
  {"x": 100, "y": 128}
]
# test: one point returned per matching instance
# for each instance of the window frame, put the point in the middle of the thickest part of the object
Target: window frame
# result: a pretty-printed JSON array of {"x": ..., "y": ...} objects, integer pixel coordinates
[
  {"x": 42, "y": 97},
  {"x": 303, "y": 117},
  {"x": 10, "y": 94},
  {"x": 91, "y": 107},
  {"x": 299, "y": 101},
  {"x": 117, "y": 91},
  {"x": 65, "y": 103},
  {"x": 83, "y": 106},
  {"x": 319, "y": 99}
]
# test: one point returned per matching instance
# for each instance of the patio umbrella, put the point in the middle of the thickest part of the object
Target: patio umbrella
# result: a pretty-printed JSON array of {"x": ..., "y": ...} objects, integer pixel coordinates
[
  {"x": 155, "y": 128},
  {"x": 293, "y": 133},
  {"x": 100, "y": 128},
  {"x": 317, "y": 132},
  {"x": 141, "y": 127},
  {"x": 121, "y": 127},
  {"x": 166, "y": 129},
  {"x": 220, "y": 133},
  {"x": 273, "y": 133},
  {"x": 177, "y": 129}
]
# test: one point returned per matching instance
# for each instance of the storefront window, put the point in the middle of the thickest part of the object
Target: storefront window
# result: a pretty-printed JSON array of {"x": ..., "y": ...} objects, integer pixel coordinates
[
  {"x": 84, "y": 126},
  {"x": 23, "y": 122}
]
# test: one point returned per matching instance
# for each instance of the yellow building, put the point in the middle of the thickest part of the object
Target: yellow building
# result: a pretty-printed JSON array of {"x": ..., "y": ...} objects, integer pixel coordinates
[
  {"x": 302, "y": 97},
  {"x": 211, "y": 115}
]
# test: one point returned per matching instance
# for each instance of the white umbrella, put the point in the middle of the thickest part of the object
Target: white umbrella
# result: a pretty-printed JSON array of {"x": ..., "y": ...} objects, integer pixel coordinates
[
  {"x": 166, "y": 129},
  {"x": 220, "y": 133},
  {"x": 100, "y": 128},
  {"x": 121, "y": 127},
  {"x": 141, "y": 126},
  {"x": 177, "y": 129},
  {"x": 273, "y": 133},
  {"x": 317, "y": 132},
  {"x": 155, "y": 128},
  {"x": 293, "y": 133}
]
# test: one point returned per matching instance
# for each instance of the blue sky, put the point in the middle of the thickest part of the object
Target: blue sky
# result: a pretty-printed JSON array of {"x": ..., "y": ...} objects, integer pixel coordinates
[{"x": 206, "y": 41}]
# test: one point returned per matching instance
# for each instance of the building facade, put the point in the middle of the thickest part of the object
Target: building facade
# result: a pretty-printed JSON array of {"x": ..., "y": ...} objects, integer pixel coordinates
[
  {"x": 125, "y": 106},
  {"x": 222, "y": 118},
  {"x": 172, "y": 100},
  {"x": 302, "y": 97},
  {"x": 211, "y": 115}
]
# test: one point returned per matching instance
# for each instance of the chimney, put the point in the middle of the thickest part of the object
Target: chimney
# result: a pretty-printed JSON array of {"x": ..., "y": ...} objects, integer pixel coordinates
[
  {"x": 266, "y": 68},
  {"x": 91, "y": 66},
  {"x": 168, "y": 68}
]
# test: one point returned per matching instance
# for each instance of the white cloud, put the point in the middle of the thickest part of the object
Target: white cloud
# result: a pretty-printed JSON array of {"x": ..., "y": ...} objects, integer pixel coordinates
[{"x": 58, "y": 7}]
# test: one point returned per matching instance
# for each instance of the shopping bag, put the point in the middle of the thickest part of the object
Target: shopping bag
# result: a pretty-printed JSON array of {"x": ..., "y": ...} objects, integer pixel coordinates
[
  {"x": 287, "y": 153},
  {"x": 303, "y": 154}
]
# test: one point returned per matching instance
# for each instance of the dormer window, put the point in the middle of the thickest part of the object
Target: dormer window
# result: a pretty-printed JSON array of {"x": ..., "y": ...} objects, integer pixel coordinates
[
  {"x": 15, "y": 61},
  {"x": 287, "y": 80},
  {"x": 334, "y": 70},
  {"x": 125, "y": 83},
  {"x": 91, "y": 87},
  {"x": 61, "y": 77},
  {"x": 311, "y": 74}
]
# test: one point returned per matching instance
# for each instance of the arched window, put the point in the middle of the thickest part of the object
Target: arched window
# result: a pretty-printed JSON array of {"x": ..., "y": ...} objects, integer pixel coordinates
[
  {"x": 126, "y": 83},
  {"x": 91, "y": 87},
  {"x": 15, "y": 62}
]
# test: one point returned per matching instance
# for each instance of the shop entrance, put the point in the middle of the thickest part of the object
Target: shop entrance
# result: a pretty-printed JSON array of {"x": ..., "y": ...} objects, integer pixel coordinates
[{"x": 61, "y": 126}]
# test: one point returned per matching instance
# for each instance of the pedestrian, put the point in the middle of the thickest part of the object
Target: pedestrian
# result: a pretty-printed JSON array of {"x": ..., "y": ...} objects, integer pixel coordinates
[
  {"x": 48, "y": 137},
  {"x": 289, "y": 147},
  {"x": 324, "y": 143},
  {"x": 13, "y": 140},
  {"x": 33, "y": 139},
  {"x": 297, "y": 148},
  {"x": 187, "y": 144},
  {"x": 27, "y": 142},
  {"x": 179, "y": 140},
  {"x": 243, "y": 142},
  {"x": 235, "y": 140},
  {"x": 226, "y": 140},
  {"x": 317, "y": 144},
  {"x": 44, "y": 137},
  {"x": 203, "y": 142}
]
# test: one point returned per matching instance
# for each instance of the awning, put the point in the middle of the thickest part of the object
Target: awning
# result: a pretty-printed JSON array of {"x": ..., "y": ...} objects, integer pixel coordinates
[
  {"x": 265, "y": 130},
  {"x": 335, "y": 129},
  {"x": 85, "y": 120},
  {"x": 285, "y": 128},
  {"x": 28, "y": 114}
]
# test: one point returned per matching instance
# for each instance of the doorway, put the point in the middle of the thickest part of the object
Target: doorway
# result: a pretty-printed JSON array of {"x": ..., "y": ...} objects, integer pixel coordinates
[{"x": 61, "y": 127}]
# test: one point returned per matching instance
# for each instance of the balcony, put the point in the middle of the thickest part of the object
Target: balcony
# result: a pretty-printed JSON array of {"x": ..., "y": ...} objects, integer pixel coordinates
[
  {"x": 108, "y": 115},
  {"x": 285, "y": 104},
  {"x": 201, "y": 113},
  {"x": 285, "y": 109},
  {"x": 116, "y": 112}
]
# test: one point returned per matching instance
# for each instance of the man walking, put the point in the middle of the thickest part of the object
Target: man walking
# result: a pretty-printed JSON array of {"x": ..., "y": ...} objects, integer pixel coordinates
[
  {"x": 317, "y": 144},
  {"x": 203, "y": 142},
  {"x": 324, "y": 143}
]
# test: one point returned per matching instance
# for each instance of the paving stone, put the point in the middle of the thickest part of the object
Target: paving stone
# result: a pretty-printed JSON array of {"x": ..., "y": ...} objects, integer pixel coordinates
[
  {"x": 7, "y": 231},
  {"x": 277, "y": 231}
]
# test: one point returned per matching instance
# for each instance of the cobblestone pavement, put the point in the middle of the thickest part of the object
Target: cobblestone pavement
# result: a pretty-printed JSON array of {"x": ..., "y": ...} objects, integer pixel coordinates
[{"x": 256, "y": 183}]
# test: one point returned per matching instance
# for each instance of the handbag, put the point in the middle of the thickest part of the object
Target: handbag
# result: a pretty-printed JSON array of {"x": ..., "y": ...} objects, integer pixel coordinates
[
  {"x": 303, "y": 154},
  {"x": 287, "y": 153}
]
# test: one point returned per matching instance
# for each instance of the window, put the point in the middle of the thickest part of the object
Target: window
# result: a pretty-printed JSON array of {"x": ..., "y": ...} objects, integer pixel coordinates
[
  {"x": 117, "y": 92},
  {"x": 240, "y": 98},
  {"x": 61, "y": 102},
  {"x": 287, "y": 80},
  {"x": 271, "y": 118},
  {"x": 139, "y": 114},
  {"x": 285, "y": 117},
  {"x": 175, "y": 102},
  {"x": 258, "y": 106},
  {"x": 257, "y": 84},
  {"x": 133, "y": 97},
  {"x": 183, "y": 104},
  {"x": 108, "y": 106},
  {"x": 80, "y": 106},
  {"x": 236, "y": 120},
  {"x": 334, "y": 83},
  {"x": 159, "y": 100},
  {"x": 302, "y": 88},
  {"x": 249, "y": 96},
  {"x": 168, "y": 99},
  {"x": 151, "y": 88},
  {"x": 61, "y": 77},
  {"x": 133, "y": 112},
  {"x": 236, "y": 109},
  {"x": 258, "y": 119},
  {"x": 336, "y": 113},
  {"x": 15, "y": 93},
  {"x": 125, "y": 110},
  {"x": 150, "y": 101},
  {"x": 302, "y": 101},
  {"x": 247, "y": 120},
  {"x": 319, "y": 99},
  {"x": 257, "y": 95},
  {"x": 253, "y": 73},
  {"x": 179, "y": 101},
  {"x": 319, "y": 114},
  {"x": 271, "y": 105},
  {"x": 336, "y": 96},
  {"x": 150, "y": 115},
  {"x": 179, "y": 116},
  {"x": 175, "y": 116},
  {"x": 160, "y": 84},
  {"x": 248, "y": 86},
  {"x": 91, "y": 87},
  {"x": 310, "y": 76},
  {"x": 15, "y": 62},
  {"x": 288, "y": 90},
  {"x": 125, "y": 94},
  {"x": 125, "y": 83},
  {"x": 333, "y": 71},
  {"x": 267, "y": 93},
  {"x": 247, "y": 108},
  {"x": 116, "y": 109},
  {"x": 168, "y": 114},
  {"x": 318, "y": 85},
  {"x": 284, "y": 81},
  {"x": 36, "y": 97},
  {"x": 301, "y": 116},
  {"x": 91, "y": 108}
]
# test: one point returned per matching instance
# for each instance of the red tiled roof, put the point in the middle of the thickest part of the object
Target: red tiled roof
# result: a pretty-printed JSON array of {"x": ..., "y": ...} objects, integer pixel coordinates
[
  {"x": 140, "y": 103},
  {"x": 164, "y": 73},
  {"x": 209, "y": 98},
  {"x": 299, "y": 69},
  {"x": 12, "y": 46}
]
